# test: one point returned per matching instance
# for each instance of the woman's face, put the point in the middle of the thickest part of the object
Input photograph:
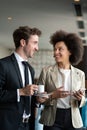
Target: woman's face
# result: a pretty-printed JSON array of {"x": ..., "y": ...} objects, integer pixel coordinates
[{"x": 61, "y": 53}]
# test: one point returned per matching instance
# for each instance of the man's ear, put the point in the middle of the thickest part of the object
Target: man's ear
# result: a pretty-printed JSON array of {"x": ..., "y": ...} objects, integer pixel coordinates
[{"x": 22, "y": 42}]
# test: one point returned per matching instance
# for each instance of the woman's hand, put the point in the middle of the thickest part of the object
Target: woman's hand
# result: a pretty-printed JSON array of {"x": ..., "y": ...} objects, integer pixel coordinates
[
  {"x": 78, "y": 94},
  {"x": 42, "y": 99},
  {"x": 60, "y": 93}
]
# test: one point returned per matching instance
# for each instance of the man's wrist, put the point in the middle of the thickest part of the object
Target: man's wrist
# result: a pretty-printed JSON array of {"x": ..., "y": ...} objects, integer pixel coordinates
[{"x": 21, "y": 92}]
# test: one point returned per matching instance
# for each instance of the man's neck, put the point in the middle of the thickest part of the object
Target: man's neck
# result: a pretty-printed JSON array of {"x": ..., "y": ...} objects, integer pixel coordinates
[{"x": 21, "y": 54}]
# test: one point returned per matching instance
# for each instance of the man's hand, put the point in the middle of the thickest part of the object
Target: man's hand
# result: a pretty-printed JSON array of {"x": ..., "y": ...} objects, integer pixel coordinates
[{"x": 28, "y": 90}]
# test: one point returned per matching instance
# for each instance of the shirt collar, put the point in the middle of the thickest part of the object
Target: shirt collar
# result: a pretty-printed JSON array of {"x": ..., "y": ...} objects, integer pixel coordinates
[{"x": 19, "y": 58}]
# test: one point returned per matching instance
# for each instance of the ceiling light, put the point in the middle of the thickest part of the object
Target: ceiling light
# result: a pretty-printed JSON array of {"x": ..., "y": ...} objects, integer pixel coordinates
[
  {"x": 84, "y": 38},
  {"x": 84, "y": 44},
  {"x": 9, "y": 18},
  {"x": 79, "y": 18},
  {"x": 81, "y": 30},
  {"x": 77, "y": 0}
]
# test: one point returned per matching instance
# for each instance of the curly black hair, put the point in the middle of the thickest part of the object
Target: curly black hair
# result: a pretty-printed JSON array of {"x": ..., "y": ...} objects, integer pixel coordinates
[{"x": 72, "y": 41}]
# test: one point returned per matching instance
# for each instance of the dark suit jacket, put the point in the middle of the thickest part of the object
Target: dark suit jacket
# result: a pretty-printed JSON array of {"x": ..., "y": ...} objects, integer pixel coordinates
[{"x": 11, "y": 111}]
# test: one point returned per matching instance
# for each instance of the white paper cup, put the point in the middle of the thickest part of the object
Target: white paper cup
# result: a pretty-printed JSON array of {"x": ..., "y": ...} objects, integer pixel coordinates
[{"x": 40, "y": 88}]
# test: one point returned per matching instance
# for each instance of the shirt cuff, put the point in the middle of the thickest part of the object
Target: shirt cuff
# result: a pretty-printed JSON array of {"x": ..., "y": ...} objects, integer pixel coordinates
[{"x": 18, "y": 96}]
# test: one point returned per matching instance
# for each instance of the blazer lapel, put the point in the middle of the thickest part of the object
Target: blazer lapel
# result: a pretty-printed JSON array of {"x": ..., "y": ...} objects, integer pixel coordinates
[
  {"x": 15, "y": 64},
  {"x": 75, "y": 79},
  {"x": 54, "y": 74}
]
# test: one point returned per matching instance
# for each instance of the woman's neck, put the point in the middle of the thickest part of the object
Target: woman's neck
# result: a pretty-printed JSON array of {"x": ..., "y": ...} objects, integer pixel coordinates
[{"x": 64, "y": 66}]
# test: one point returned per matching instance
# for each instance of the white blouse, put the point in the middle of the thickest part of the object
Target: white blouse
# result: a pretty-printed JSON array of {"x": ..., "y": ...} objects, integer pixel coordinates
[{"x": 64, "y": 79}]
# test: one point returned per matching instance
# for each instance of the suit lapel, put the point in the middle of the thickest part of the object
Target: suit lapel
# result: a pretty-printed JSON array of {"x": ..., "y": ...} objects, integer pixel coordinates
[
  {"x": 32, "y": 72},
  {"x": 15, "y": 64}
]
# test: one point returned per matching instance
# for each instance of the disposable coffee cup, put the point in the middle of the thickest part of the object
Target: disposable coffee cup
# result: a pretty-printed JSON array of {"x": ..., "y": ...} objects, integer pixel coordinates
[{"x": 40, "y": 88}]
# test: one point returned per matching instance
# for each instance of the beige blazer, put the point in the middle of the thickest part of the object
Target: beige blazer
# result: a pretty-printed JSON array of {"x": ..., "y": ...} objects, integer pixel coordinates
[{"x": 49, "y": 77}]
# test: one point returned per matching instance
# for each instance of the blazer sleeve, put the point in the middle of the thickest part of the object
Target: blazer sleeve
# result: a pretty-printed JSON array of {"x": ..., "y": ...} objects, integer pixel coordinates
[
  {"x": 43, "y": 78},
  {"x": 83, "y": 87}
]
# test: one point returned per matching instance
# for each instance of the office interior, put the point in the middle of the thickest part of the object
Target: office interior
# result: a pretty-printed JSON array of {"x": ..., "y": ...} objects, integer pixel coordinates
[{"x": 49, "y": 16}]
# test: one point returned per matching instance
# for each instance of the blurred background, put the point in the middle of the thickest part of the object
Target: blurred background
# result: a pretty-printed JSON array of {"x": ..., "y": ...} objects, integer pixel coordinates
[{"x": 49, "y": 16}]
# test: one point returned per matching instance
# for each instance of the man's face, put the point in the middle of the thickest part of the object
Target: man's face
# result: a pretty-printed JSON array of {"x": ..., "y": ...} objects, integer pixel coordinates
[{"x": 31, "y": 46}]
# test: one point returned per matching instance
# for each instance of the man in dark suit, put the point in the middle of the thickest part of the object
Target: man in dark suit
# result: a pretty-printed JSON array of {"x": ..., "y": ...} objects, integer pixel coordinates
[{"x": 12, "y": 82}]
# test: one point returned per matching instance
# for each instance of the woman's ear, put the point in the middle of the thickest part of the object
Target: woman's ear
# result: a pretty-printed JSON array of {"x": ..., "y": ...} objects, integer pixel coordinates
[{"x": 70, "y": 53}]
